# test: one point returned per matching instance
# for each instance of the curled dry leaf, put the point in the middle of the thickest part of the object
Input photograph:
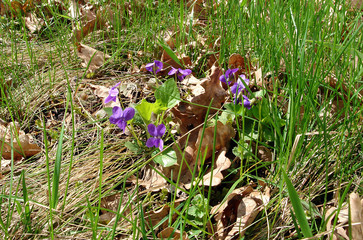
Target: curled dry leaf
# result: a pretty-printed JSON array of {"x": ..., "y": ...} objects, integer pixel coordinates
[
  {"x": 263, "y": 153},
  {"x": 91, "y": 57},
  {"x": 171, "y": 233},
  {"x": 215, "y": 178},
  {"x": 152, "y": 180},
  {"x": 213, "y": 92},
  {"x": 239, "y": 211},
  {"x": 152, "y": 218},
  {"x": 111, "y": 203},
  {"x": 224, "y": 135},
  {"x": 24, "y": 145},
  {"x": 237, "y": 61},
  {"x": 341, "y": 230},
  {"x": 32, "y": 22}
]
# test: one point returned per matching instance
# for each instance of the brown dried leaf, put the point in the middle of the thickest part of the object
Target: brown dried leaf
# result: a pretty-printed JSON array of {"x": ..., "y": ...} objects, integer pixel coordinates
[
  {"x": 213, "y": 92},
  {"x": 110, "y": 202},
  {"x": 238, "y": 212},
  {"x": 152, "y": 218},
  {"x": 169, "y": 232},
  {"x": 237, "y": 61},
  {"x": 224, "y": 135},
  {"x": 341, "y": 231},
  {"x": 221, "y": 164},
  {"x": 33, "y": 23},
  {"x": 96, "y": 23},
  {"x": 91, "y": 57},
  {"x": 24, "y": 148},
  {"x": 152, "y": 180}
]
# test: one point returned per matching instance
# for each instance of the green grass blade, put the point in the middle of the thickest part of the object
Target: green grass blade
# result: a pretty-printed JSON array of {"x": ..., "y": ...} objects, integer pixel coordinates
[
  {"x": 27, "y": 219},
  {"x": 170, "y": 52},
  {"x": 57, "y": 168},
  {"x": 297, "y": 206}
]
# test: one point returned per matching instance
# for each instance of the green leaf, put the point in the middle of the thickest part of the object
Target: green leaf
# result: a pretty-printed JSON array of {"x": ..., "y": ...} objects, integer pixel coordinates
[
  {"x": 145, "y": 109},
  {"x": 168, "y": 94},
  {"x": 167, "y": 158},
  {"x": 236, "y": 108},
  {"x": 133, "y": 147},
  {"x": 108, "y": 110},
  {"x": 297, "y": 206},
  {"x": 226, "y": 117}
]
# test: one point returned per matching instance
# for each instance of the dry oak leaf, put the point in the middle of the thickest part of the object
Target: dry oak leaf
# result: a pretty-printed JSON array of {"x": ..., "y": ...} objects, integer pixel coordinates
[
  {"x": 33, "y": 23},
  {"x": 239, "y": 211},
  {"x": 91, "y": 57},
  {"x": 224, "y": 135},
  {"x": 23, "y": 144},
  {"x": 341, "y": 230},
  {"x": 152, "y": 180},
  {"x": 222, "y": 163},
  {"x": 237, "y": 61},
  {"x": 154, "y": 217},
  {"x": 171, "y": 233},
  {"x": 213, "y": 92}
]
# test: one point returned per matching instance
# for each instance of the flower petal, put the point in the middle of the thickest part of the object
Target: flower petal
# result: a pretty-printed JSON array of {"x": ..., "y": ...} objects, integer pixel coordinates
[
  {"x": 158, "y": 66},
  {"x": 110, "y": 98},
  {"x": 161, "y": 144},
  {"x": 122, "y": 124},
  {"x": 152, "y": 130},
  {"x": 185, "y": 72},
  {"x": 128, "y": 113},
  {"x": 246, "y": 102},
  {"x": 116, "y": 114},
  {"x": 151, "y": 142},
  {"x": 160, "y": 130},
  {"x": 149, "y": 67},
  {"x": 172, "y": 71}
]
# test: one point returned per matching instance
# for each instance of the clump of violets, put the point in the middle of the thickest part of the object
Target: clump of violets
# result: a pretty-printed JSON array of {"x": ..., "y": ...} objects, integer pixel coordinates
[
  {"x": 154, "y": 67},
  {"x": 120, "y": 117},
  {"x": 180, "y": 73},
  {"x": 113, "y": 94},
  {"x": 229, "y": 74},
  {"x": 156, "y": 132},
  {"x": 239, "y": 87}
]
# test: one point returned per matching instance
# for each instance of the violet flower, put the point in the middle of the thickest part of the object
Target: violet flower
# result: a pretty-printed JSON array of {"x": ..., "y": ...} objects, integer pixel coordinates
[
  {"x": 246, "y": 102},
  {"x": 120, "y": 117},
  {"x": 239, "y": 86},
  {"x": 154, "y": 67},
  {"x": 156, "y": 133},
  {"x": 229, "y": 74},
  {"x": 180, "y": 73},
  {"x": 113, "y": 94}
]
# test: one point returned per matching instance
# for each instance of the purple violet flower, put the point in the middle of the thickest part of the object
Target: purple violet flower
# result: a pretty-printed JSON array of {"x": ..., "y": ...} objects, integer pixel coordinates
[
  {"x": 229, "y": 74},
  {"x": 239, "y": 86},
  {"x": 120, "y": 117},
  {"x": 156, "y": 133},
  {"x": 113, "y": 94},
  {"x": 154, "y": 67},
  {"x": 181, "y": 74},
  {"x": 246, "y": 102}
]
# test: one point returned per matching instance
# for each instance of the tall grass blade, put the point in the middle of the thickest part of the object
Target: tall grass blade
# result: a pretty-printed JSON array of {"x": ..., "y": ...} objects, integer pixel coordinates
[
  {"x": 27, "y": 219},
  {"x": 170, "y": 52},
  {"x": 297, "y": 206},
  {"x": 57, "y": 168}
]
